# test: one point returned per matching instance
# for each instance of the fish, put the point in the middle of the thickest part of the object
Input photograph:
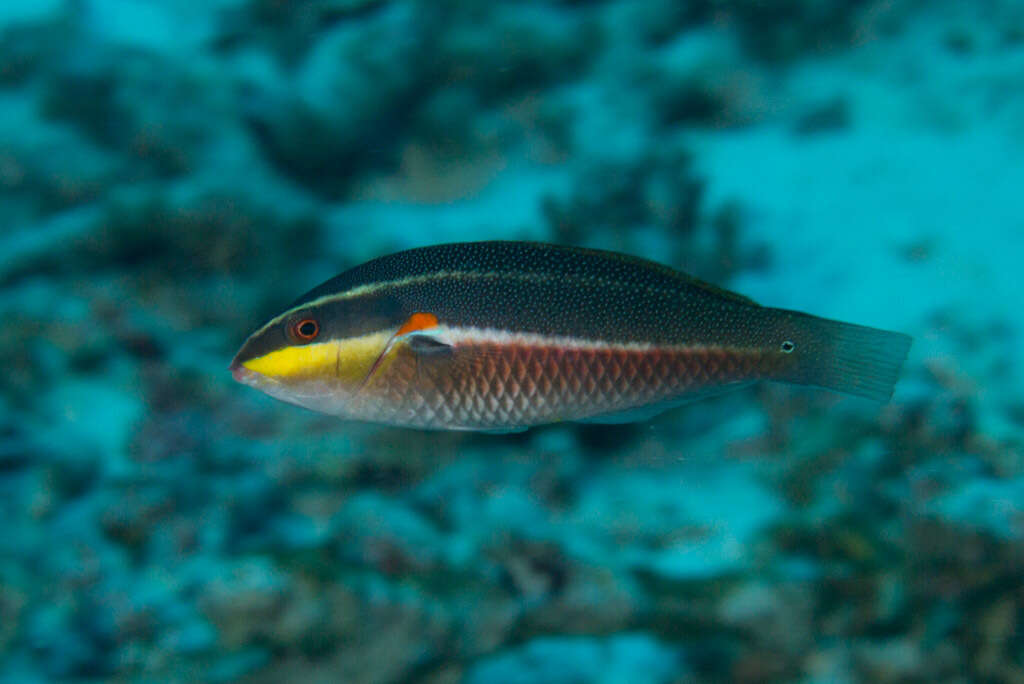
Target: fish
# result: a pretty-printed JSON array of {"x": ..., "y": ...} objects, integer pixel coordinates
[{"x": 500, "y": 336}]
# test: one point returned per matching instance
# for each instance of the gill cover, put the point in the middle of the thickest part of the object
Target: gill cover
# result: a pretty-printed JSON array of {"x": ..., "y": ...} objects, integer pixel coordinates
[{"x": 420, "y": 332}]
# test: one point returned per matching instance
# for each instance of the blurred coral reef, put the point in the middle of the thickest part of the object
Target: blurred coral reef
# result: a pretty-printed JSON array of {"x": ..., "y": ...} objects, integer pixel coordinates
[{"x": 172, "y": 173}]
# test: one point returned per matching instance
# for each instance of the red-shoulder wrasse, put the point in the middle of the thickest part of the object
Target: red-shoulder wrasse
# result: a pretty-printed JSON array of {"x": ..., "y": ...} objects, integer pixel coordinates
[{"x": 504, "y": 335}]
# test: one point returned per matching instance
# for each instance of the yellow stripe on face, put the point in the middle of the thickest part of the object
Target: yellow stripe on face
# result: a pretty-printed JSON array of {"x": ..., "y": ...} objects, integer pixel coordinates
[{"x": 347, "y": 360}]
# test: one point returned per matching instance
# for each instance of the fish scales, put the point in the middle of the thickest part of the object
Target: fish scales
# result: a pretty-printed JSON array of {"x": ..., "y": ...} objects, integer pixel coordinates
[
  {"x": 511, "y": 385},
  {"x": 503, "y": 335}
]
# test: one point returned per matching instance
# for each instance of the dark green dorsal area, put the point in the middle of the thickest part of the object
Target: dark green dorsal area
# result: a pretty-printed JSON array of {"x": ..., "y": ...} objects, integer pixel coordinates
[
  {"x": 525, "y": 287},
  {"x": 513, "y": 258}
]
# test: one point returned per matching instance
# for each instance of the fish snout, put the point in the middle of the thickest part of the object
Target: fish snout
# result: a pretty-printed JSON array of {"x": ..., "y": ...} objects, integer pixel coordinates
[{"x": 239, "y": 372}]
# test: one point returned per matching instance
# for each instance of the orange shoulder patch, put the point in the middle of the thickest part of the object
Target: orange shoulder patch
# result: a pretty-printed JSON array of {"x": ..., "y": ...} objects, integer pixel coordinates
[{"x": 418, "y": 321}]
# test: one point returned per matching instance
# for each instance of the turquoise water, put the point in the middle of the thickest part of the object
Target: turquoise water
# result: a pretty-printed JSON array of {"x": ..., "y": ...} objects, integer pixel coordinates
[{"x": 174, "y": 173}]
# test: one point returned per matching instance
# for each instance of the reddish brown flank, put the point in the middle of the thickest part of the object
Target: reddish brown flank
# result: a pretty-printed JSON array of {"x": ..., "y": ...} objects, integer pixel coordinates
[{"x": 491, "y": 386}]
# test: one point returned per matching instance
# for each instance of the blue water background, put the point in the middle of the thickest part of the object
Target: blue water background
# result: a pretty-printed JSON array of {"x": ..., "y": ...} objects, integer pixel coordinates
[{"x": 173, "y": 173}]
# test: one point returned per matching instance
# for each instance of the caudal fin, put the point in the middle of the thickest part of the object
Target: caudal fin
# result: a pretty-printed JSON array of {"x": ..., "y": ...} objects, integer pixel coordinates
[{"x": 846, "y": 358}]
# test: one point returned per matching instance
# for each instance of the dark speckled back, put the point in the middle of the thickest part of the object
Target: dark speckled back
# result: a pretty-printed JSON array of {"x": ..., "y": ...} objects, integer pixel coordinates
[{"x": 538, "y": 288}]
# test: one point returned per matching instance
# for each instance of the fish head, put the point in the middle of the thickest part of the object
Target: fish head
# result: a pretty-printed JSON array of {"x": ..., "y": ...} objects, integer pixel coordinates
[{"x": 317, "y": 357}]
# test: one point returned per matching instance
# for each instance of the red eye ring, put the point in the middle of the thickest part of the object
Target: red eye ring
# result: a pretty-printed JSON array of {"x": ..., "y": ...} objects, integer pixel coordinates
[{"x": 306, "y": 329}]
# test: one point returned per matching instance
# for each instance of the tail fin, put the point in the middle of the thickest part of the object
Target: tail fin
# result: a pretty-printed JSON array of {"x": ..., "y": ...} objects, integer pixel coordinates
[{"x": 846, "y": 358}]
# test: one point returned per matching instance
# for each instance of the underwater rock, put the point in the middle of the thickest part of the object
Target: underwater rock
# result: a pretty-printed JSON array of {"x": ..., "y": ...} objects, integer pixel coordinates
[
  {"x": 985, "y": 504},
  {"x": 778, "y": 617},
  {"x": 700, "y": 79},
  {"x": 787, "y": 29},
  {"x": 96, "y": 420},
  {"x": 16, "y": 448},
  {"x": 828, "y": 116},
  {"x": 585, "y": 600},
  {"x": 655, "y": 197},
  {"x": 14, "y": 600},
  {"x": 194, "y": 637},
  {"x": 155, "y": 238},
  {"x": 234, "y": 665},
  {"x": 384, "y": 635},
  {"x": 365, "y": 95},
  {"x": 46, "y": 168},
  {"x": 502, "y": 49},
  {"x": 128, "y": 103},
  {"x": 244, "y": 600},
  {"x": 352, "y": 96},
  {"x": 71, "y": 639},
  {"x": 891, "y": 660},
  {"x": 387, "y": 536},
  {"x": 130, "y": 520},
  {"x": 14, "y": 14},
  {"x": 24, "y": 50},
  {"x": 174, "y": 29},
  {"x": 564, "y": 660},
  {"x": 679, "y": 524},
  {"x": 653, "y": 205},
  {"x": 657, "y": 22},
  {"x": 286, "y": 30}
]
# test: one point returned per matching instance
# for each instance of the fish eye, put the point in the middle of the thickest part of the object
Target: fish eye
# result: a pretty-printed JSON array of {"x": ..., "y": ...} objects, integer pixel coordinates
[
  {"x": 787, "y": 347},
  {"x": 306, "y": 329}
]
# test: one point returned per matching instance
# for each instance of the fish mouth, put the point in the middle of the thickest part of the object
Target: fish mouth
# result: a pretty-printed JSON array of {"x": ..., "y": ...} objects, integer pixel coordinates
[
  {"x": 242, "y": 374},
  {"x": 306, "y": 396},
  {"x": 247, "y": 376}
]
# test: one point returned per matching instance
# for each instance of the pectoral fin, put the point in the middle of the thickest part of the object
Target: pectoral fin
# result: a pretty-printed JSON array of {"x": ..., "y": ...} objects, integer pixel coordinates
[{"x": 427, "y": 342}]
